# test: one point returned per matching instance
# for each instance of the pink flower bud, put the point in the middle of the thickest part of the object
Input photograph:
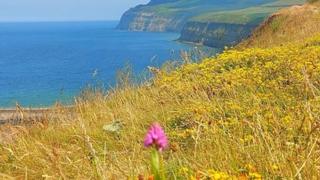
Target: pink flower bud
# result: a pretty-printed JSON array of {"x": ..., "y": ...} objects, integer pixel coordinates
[{"x": 156, "y": 137}]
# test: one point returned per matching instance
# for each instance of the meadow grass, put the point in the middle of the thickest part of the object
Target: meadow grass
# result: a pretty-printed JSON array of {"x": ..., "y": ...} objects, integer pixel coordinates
[
  {"x": 251, "y": 15},
  {"x": 249, "y": 114},
  {"x": 293, "y": 24}
]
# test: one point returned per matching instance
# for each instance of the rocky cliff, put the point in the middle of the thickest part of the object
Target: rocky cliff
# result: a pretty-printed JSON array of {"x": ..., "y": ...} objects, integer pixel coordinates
[
  {"x": 145, "y": 20},
  {"x": 215, "y": 34}
]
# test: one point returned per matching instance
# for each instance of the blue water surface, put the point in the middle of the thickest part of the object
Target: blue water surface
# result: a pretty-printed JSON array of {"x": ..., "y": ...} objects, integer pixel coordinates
[{"x": 41, "y": 63}]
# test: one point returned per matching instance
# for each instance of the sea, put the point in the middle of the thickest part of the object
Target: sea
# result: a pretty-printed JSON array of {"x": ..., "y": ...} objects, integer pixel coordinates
[{"x": 42, "y": 63}]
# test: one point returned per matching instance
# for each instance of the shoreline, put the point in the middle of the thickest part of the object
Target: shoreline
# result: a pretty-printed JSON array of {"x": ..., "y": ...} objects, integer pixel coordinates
[{"x": 20, "y": 115}]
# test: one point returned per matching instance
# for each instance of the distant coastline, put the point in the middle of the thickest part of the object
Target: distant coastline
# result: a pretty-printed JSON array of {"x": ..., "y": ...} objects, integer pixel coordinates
[{"x": 209, "y": 23}]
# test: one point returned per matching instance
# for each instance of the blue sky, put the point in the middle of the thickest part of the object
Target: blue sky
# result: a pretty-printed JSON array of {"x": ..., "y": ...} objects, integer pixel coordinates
[{"x": 64, "y": 10}]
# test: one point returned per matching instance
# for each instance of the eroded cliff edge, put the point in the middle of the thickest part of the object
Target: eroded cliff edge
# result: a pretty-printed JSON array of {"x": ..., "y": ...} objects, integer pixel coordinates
[
  {"x": 141, "y": 19},
  {"x": 215, "y": 34}
]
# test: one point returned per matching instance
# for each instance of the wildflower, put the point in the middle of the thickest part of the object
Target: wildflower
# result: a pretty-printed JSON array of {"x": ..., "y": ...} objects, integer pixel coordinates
[
  {"x": 275, "y": 167},
  {"x": 156, "y": 137},
  {"x": 218, "y": 175},
  {"x": 183, "y": 171},
  {"x": 256, "y": 176}
]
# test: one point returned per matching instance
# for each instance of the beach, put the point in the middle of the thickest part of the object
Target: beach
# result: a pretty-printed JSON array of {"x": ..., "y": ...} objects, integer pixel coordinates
[{"x": 20, "y": 115}]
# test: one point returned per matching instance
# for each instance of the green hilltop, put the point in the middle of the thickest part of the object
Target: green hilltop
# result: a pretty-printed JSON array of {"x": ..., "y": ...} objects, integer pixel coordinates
[
  {"x": 252, "y": 15},
  {"x": 241, "y": 11}
]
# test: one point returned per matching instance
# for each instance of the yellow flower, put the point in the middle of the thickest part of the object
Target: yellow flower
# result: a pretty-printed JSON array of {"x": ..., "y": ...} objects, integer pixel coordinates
[
  {"x": 275, "y": 167},
  {"x": 255, "y": 176},
  {"x": 183, "y": 171},
  {"x": 216, "y": 175}
]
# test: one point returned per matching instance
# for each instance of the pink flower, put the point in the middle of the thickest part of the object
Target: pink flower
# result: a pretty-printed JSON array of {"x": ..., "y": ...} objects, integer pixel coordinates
[{"x": 156, "y": 137}]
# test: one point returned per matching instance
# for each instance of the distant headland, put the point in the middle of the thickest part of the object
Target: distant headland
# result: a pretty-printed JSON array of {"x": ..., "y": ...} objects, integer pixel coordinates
[{"x": 212, "y": 23}]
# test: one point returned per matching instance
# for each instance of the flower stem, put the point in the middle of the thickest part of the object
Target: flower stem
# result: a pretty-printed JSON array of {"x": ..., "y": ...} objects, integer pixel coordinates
[{"x": 155, "y": 164}]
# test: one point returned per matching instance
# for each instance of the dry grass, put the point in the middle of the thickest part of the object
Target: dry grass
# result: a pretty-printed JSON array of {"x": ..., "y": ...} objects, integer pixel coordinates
[{"x": 294, "y": 24}]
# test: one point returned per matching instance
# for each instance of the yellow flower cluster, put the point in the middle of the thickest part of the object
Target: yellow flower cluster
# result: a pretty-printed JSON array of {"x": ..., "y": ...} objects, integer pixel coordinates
[
  {"x": 241, "y": 84},
  {"x": 250, "y": 97},
  {"x": 212, "y": 174}
]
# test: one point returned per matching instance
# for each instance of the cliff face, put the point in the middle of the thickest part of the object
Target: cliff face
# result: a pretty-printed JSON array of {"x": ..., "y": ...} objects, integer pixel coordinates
[
  {"x": 139, "y": 20},
  {"x": 215, "y": 34}
]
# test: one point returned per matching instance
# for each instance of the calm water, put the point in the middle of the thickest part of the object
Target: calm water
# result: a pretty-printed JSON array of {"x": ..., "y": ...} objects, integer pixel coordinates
[{"x": 41, "y": 63}]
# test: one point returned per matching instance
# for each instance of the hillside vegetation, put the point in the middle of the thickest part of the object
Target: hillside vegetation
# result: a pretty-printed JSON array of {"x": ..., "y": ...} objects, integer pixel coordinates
[
  {"x": 247, "y": 114},
  {"x": 249, "y": 15},
  {"x": 293, "y": 24}
]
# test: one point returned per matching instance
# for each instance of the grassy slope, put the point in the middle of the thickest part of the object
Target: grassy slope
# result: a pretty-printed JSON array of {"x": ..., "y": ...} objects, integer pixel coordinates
[
  {"x": 222, "y": 11},
  {"x": 196, "y": 7},
  {"x": 246, "y": 113},
  {"x": 293, "y": 24},
  {"x": 252, "y": 15}
]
